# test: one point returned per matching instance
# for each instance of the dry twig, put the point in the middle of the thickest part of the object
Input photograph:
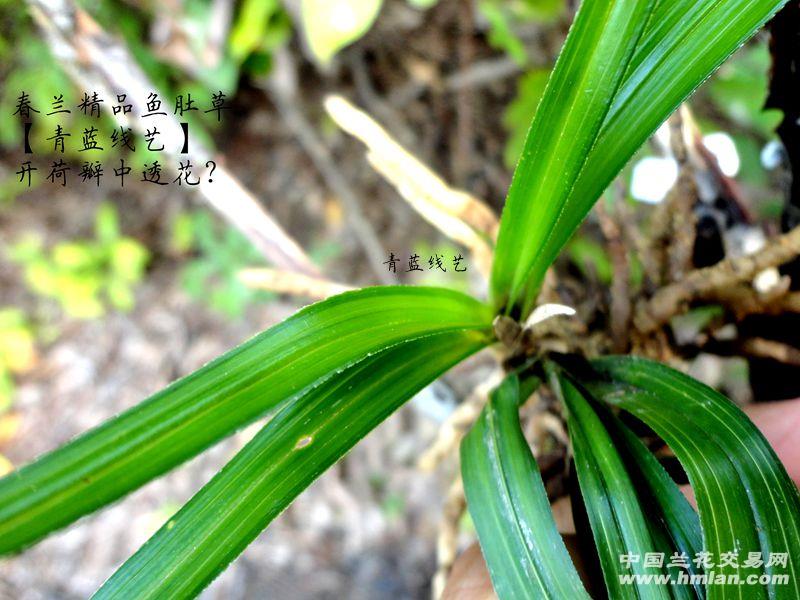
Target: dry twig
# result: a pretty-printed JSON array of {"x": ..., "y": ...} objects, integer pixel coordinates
[
  {"x": 771, "y": 349},
  {"x": 288, "y": 282},
  {"x": 282, "y": 88},
  {"x": 702, "y": 283},
  {"x": 456, "y": 426},
  {"x": 621, "y": 308},
  {"x": 447, "y": 541},
  {"x": 459, "y": 215}
]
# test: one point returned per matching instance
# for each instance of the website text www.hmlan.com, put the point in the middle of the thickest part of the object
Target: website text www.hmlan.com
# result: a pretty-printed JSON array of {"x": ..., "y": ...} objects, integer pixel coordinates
[{"x": 710, "y": 578}]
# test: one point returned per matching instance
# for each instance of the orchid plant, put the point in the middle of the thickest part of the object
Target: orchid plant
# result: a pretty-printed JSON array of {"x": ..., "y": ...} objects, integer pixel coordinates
[{"x": 333, "y": 371}]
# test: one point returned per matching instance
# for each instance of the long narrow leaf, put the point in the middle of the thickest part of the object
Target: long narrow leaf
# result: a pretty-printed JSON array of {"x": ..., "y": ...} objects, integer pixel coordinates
[
  {"x": 583, "y": 85},
  {"x": 728, "y": 522},
  {"x": 233, "y": 390},
  {"x": 616, "y": 516},
  {"x": 667, "y": 508},
  {"x": 747, "y": 502},
  {"x": 684, "y": 42},
  {"x": 292, "y": 450},
  {"x": 509, "y": 506}
]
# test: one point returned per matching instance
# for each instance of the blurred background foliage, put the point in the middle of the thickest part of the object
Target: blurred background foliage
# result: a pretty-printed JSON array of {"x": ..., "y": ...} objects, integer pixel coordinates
[
  {"x": 215, "y": 254},
  {"x": 85, "y": 277},
  {"x": 17, "y": 351}
]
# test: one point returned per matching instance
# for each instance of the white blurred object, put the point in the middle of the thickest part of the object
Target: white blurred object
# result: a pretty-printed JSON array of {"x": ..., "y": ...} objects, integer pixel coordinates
[
  {"x": 767, "y": 280},
  {"x": 743, "y": 240},
  {"x": 436, "y": 401},
  {"x": 722, "y": 146},
  {"x": 543, "y": 312},
  {"x": 662, "y": 136},
  {"x": 653, "y": 178},
  {"x": 772, "y": 155}
]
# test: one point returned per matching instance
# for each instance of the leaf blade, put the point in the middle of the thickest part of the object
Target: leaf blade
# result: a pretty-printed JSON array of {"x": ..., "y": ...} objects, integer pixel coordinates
[
  {"x": 672, "y": 519},
  {"x": 716, "y": 442},
  {"x": 684, "y": 43},
  {"x": 229, "y": 392},
  {"x": 509, "y": 506},
  {"x": 616, "y": 516},
  {"x": 575, "y": 102},
  {"x": 297, "y": 445}
]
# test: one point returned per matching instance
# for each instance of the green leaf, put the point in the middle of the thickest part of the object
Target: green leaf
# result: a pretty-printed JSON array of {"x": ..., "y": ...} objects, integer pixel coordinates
[
  {"x": 543, "y": 10},
  {"x": 196, "y": 411},
  {"x": 684, "y": 42},
  {"x": 739, "y": 90},
  {"x": 423, "y": 4},
  {"x": 330, "y": 25},
  {"x": 672, "y": 522},
  {"x": 746, "y": 500},
  {"x": 251, "y": 26},
  {"x": 616, "y": 516},
  {"x": 591, "y": 258},
  {"x": 509, "y": 506},
  {"x": 670, "y": 516},
  {"x": 581, "y": 89},
  {"x": 106, "y": 223},
  {"x": 291, "y": 451},
  {"x": 74, "y": 256},
  {"x": 128, "y": 259},
  {"x": 501, "y": 32}
]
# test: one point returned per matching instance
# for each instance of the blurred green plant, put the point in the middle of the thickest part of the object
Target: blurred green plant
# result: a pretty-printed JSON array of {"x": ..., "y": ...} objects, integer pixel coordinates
[
  {"x": 261, "y": 27},
  {"x": 31, "y": 69},
  {"x": 85, "y": 276},
  {"x": 423, "y": 4},
  {"x": 517, "y": 116},
  {"x": 591, "y": 258},
  {"x": 503, "y": 18},
  {"x": 737, "y": 93},
  {"x": 18, "y": 71},
  {"x": 220, "y": 252},
  {"x": 501, "y": 32},
  {"x": 739, "y": 90},
  {"x": 17, "y": 351},
  {"x": 26, "y": 65},
  {"x": 733, "y": 101}
]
